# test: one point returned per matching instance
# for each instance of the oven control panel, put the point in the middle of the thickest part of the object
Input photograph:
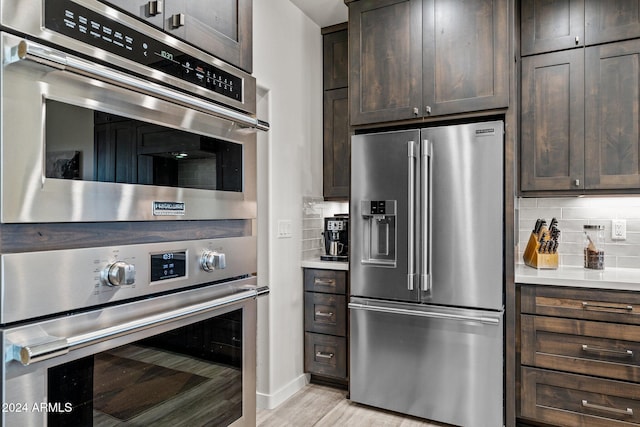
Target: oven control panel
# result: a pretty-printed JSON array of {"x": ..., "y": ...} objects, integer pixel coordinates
[
  {"x": 76, "y": 279},
  {"x": 80, "y": 23}
]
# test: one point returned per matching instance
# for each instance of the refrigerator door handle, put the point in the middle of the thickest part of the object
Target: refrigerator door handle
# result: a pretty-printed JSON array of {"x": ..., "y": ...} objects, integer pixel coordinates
[
  {"x": 420, "y": 313},
  {"x": 411, "y": 207},
  {"x": 425, "y": 214}
]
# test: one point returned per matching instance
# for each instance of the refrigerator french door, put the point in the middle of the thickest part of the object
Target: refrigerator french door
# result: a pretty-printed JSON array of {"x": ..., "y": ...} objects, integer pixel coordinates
[{"x": 426, "y": 272}]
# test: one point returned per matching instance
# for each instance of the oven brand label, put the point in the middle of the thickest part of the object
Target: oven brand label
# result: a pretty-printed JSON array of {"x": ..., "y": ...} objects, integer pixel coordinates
[{"x": 168, "y": 208}]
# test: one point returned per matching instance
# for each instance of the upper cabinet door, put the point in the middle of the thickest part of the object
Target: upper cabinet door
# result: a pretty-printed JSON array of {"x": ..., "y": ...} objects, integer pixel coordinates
[
  {"x": 548, "y": 25},
  {"x": 612, "y": 115},
  {"x": 385, "y": 50},
  {"x": 552, "y": 122},
  {"x": 335, "y": 69},
  {"x": 611, "y": 20},
  {"x": 222, "y": 28},
  {"x": 466, "y": 55}
]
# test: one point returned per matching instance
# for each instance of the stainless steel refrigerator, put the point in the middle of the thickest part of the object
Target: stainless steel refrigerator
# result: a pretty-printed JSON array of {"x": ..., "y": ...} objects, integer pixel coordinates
[{"x": 426, "y": 273}]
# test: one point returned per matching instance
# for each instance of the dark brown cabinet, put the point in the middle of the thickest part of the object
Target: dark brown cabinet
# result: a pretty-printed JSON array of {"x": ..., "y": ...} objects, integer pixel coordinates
[
  {"x": 611, "y": 20},
  {"x": 612, "y": 116},
  {"x": 580, "y": 127},
  {"x": 420, "y": 58},
  {"x": 223, "y": 28},
  {"x": 335, "y": 57},
  {"x": 548, "y": 25},
  {"x": 552, "y": 125},
  {"x": 325, "y": 324},
  {"x": 336, "y": 131},
  {"x": 580, "y": 358},
  {"x": 580, "y": 109}
]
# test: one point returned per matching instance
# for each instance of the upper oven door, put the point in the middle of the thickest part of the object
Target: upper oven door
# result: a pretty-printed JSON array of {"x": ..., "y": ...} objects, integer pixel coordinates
[{"x": 87, "y": 143}]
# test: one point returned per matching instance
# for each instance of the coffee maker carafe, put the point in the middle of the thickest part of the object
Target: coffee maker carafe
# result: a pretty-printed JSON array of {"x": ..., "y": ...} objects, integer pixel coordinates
[{"x": 336, "y": 238}]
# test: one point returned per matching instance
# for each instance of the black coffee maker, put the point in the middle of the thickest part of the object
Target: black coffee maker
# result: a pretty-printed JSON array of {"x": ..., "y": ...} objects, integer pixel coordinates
[{"x": 336, "y": 238}]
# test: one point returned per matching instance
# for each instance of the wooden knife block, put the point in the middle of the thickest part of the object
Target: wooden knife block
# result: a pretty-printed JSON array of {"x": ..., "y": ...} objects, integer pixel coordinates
[{"x": 537, "y": 260}]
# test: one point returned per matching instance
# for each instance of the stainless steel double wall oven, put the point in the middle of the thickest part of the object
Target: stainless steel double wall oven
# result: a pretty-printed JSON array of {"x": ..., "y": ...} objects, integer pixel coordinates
[{"x": 107, "y": 121}]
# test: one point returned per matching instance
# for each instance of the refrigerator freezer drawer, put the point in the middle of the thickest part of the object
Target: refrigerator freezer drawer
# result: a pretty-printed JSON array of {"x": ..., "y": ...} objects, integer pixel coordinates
[{"x": 437, "y": 363}]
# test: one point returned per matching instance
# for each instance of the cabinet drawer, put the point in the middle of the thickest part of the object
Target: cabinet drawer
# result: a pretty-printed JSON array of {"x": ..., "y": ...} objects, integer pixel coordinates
[
  {"x": 325, "y": 313},
  {"x": 593, "y": 348},
  {"x": 325, "y": 355},
  {"x": 329, "y": 281},
  {"x": 589, "y": 304},
  {"x": 576, "y": 400}
]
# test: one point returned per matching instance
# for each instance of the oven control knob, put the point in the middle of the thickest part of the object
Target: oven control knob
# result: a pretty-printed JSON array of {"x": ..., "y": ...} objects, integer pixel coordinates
[
  {"x": 119, "y": 273},
  {"x": 212, "y": 260}
]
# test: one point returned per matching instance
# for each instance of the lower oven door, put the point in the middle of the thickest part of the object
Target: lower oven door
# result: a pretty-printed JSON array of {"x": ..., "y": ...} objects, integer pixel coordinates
[{"x": 186, "y": 359}]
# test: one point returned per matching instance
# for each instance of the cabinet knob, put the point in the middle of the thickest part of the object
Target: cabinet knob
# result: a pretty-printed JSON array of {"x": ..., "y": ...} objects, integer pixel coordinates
[
  {"x": 427, "y": 109},
  {"x": 154, "y": 7},
  {"x": 177, "y": 20},
  {"x": 577, "y": 182},
  {"x": 416, "y": 111},
  {"x": 577, "y": 39}
]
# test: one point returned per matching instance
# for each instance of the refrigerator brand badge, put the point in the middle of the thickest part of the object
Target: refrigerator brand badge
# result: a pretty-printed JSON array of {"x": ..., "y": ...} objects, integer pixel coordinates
[
  {"x": 168, "y": 208},
  {"x": 485, "y": 132}
]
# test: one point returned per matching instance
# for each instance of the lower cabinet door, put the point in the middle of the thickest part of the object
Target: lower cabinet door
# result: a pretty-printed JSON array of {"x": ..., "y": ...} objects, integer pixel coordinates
[
  {"x": 576, "y": 400},
  {"x": 325, "y": 355}
]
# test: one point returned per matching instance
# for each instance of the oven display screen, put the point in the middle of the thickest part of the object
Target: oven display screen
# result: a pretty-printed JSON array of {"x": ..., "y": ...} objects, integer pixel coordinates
[{"x": 168, "y": 265}]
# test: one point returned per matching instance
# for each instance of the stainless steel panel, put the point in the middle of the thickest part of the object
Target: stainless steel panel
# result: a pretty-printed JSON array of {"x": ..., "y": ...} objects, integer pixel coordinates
[
  {"x": 33, "y": 282},
  {"x": 380, "y": 171},
  {"x": 28, "y": 197},
  {"x": 26, "y": 16},
  {"x": 28, "y": 384},
  {"x": 467, "y": 248},
  {"x": 438, "y": 363}
]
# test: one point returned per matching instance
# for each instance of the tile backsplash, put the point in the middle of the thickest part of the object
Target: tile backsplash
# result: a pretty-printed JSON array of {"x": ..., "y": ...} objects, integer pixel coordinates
[{"x": 572, "y": 214}]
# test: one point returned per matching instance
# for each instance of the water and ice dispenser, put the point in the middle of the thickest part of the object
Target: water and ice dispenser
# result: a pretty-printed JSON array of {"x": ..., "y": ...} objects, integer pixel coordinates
[{"x": 379, "y": 234}]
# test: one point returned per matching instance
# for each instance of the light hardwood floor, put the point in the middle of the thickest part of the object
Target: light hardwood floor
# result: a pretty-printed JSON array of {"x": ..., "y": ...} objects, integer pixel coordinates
[{"x": 322, "y": 406}]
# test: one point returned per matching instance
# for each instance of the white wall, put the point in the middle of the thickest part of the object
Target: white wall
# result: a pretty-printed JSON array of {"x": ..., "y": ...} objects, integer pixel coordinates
[{"x": 287, "y": 64}]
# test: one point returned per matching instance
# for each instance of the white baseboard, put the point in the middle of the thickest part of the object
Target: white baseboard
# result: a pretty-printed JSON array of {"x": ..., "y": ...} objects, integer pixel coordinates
[{"x": 271, "y": 401}]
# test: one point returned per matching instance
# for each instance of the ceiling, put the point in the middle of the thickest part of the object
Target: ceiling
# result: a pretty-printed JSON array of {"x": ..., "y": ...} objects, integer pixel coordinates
[{"x": 323, "y": 12}]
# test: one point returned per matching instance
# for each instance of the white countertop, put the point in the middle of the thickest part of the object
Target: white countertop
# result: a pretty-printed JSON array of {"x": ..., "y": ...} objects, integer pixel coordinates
[
  {"x": 609, "y": 278},
  {"x": 326, "y": 265}
]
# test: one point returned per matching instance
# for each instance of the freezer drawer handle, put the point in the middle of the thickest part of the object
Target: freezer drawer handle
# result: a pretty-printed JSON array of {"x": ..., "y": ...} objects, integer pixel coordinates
[
  {"x": 324, "y": 355},
  {"x": 605, "y": 307},
  {"x": 28, "y": 50},
  {"x": 27, "y": 354},
  {"x": 588, "y": 405},
  {"x": 419, "y": 313},
  {"x": 625, "y": 353},
  {"x": 324, "y": 282}
]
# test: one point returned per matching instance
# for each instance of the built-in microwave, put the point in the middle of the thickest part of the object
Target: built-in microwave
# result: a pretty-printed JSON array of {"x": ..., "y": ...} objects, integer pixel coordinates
[{"x": 105, "y": 118}]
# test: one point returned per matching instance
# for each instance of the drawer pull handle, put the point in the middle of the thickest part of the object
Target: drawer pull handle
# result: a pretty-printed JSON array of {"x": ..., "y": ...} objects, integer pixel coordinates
[
  {"x": 627, "y": 411},
  {"x": 324, "y": 282},
  {"x": 324, "y": 355},
  {"x": 586, "y": 306},
  {"x": 323, "y": 314},
  {"x": 625, "y": 353}
]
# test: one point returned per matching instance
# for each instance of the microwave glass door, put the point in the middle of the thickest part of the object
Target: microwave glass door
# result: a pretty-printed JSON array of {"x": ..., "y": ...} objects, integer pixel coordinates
[{"x": 90, "y": 145}]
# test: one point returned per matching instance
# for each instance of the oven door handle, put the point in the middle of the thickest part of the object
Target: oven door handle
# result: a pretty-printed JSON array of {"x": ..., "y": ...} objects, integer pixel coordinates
[
  {"x": 28, "y": 50},
  {"x": 28, "y": 354}
]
